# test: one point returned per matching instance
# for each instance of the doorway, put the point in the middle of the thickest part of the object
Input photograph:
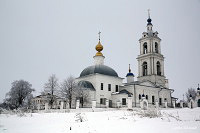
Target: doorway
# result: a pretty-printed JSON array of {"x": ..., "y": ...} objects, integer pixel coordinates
[
  {"x": 198, "y": 103},
  {"x": 110, "y": 103}
]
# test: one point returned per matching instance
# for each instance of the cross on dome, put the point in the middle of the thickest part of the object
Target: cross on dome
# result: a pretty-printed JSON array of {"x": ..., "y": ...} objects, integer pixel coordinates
[
  {"x": 99, "y": 47},
  {"x": 129, "y": 68},
  {"x": 99, "y": 35}
]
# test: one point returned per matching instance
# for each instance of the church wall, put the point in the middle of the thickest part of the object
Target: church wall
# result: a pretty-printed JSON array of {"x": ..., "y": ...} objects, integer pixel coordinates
[
  {"x": 118, "y": 97},
  {"x": 164, "y": 93},
  {"x": 150, "y": 91},
  {"x": 96, "y": 80},
  {"x": 139, "y": 69},
  {"x": 146, "y": 89},
  {"x": 105, "y": 80}
]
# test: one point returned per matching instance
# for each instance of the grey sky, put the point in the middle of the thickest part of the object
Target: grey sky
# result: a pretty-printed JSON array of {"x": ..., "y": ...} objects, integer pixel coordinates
[{"x": 43, "y": 37}]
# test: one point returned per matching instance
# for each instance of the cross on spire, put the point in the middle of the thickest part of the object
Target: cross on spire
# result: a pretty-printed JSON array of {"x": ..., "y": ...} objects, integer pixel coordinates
[
  {"x": 99, "y": 35},
  {"x": 148, "y": 13}
]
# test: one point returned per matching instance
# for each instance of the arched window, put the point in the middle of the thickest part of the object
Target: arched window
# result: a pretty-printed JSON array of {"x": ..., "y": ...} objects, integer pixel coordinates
[
  {"x": 144, "y": 67},
  {"x": 158, "y": 68},
  {"x": 145, "y": 48},
  {"x": 147, "y": 97},
  {"x": 156, "y": 47},
  {"x": 139, "y": 96}
]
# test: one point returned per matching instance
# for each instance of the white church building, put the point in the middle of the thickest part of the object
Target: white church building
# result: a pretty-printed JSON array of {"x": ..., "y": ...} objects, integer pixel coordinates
[{"x": 150, "y": 89}]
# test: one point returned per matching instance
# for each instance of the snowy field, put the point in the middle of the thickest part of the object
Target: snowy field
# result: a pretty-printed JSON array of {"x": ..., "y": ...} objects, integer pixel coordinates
[{"x": 101, "y": 121}]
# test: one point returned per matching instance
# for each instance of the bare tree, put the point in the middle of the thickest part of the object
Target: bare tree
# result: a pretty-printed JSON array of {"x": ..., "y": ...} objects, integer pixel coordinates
[
  {"x": 52, "y": 87},
  {"x": 82, "y": 94},
  {"x": 20, "y": 94},
  {"x": 191, "y": 92},
  {"x": 67, "y": 89}
]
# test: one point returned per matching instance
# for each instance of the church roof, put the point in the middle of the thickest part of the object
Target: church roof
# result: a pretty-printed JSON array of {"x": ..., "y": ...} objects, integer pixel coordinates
[
  {"x": 101, "y": 69},
  {"x": 123, "y": 92},
  {"x": 86, "y": 84},
  {"x": 149, "y": 21},
  {"x": 129, "y": 74},
  {"x": 198, "y": 87}
]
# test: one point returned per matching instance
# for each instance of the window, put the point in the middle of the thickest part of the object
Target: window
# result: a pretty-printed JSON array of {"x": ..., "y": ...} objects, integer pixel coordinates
[
  {"x": 101, "y": 86},
  {"x": 153, "y": 99},
  {"x": 123, "y": 101},
  {"x": 145, "y": 48},
  {"x": 158, "y": 68},
  {"x": 102, "y": 101},
  {"x": 165, "y": 99},
  {"x": 139, "y": 96},
  {"x": 116, "y": 88},
  {"x": 160, "y": 101},
  {"x": 147, "y": 97},
  {"x": 109, "y": 87},
  {"x": 144, "y": 65},
  {"x": 156, "y": 47}
]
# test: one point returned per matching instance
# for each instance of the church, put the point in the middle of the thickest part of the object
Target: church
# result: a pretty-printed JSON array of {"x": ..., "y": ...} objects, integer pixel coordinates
[{"x": 107, "y": 89}]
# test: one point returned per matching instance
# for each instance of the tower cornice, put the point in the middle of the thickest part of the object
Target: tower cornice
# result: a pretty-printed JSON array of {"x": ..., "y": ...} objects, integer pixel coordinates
[
  {"x": 148, "y": 38},
  {"x": 155, "y": 55}
]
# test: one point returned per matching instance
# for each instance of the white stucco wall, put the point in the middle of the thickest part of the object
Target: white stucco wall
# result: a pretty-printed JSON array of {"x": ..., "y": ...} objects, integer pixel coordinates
[{"x": 97, "y": 79}]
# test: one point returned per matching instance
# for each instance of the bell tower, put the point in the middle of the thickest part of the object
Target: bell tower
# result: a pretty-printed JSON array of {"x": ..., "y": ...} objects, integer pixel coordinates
[{"x": 150, "y": 59}]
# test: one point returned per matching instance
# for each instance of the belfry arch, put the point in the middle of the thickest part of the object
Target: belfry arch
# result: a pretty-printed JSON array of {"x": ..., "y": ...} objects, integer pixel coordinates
[{"x": 144, "y": 68}]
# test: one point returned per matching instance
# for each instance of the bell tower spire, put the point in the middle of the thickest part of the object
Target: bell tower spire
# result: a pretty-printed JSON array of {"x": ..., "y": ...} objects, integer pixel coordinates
[
  {"x": 149, "y": 24},
  {"x": 150, "y": 60}
]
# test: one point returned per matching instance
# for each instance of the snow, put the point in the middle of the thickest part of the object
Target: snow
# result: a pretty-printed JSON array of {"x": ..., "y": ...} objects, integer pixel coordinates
[{"x": 102, "y": 121}]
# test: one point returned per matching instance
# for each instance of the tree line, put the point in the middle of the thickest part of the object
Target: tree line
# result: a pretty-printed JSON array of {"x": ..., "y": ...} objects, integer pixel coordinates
[{"x": 21, "y": 92}]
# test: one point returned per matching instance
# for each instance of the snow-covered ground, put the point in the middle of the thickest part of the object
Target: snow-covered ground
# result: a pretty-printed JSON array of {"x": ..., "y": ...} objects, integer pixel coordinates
[{"x": 101, "y": 121}]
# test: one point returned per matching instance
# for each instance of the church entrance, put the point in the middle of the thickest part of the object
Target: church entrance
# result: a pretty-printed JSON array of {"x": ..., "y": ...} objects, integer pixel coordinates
[
  {"x": 145, "y": 105},
  {"x": 110, "y": 103},
  {"x": 198, "y": 103}
]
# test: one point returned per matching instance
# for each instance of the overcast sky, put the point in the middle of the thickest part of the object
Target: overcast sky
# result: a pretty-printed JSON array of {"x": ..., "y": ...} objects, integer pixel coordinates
[{"x": 43, "y": 37}]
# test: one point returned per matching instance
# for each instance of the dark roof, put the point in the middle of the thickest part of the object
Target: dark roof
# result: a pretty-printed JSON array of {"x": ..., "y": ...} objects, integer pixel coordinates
[
  {"x": 149, "y": 21},
  {"x": 129, "y": 74},
  {"x": 125, "y": 92},
  {"x": 198, "y": 88},
  {"x": 86, "y": 84},
  {"x": 46, "y": 96},
  {"x": 101, "y": 69},
  {"x": 174, "y": 98}
]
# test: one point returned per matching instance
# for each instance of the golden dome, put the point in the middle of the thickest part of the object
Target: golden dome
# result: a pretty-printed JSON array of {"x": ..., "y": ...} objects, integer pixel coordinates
[{"x": 99, "y": 48}]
